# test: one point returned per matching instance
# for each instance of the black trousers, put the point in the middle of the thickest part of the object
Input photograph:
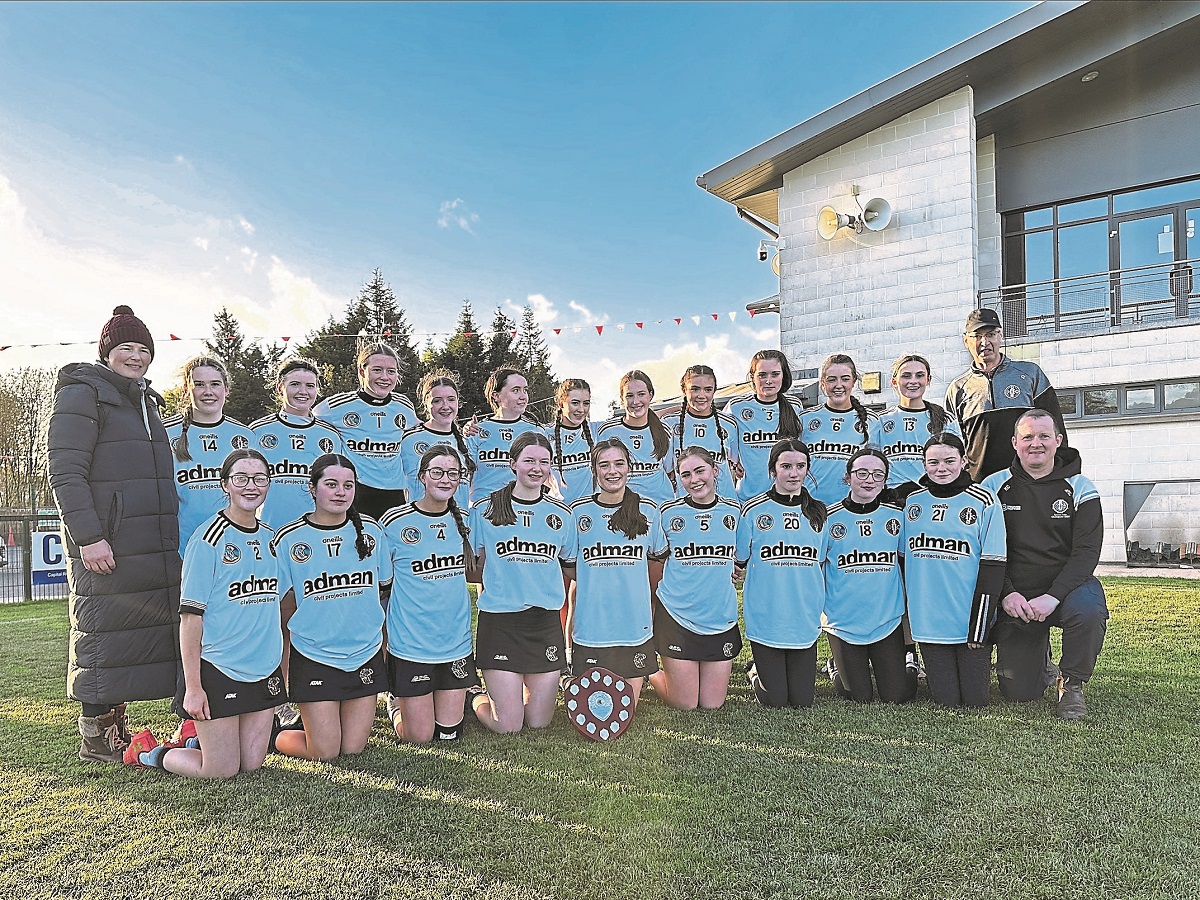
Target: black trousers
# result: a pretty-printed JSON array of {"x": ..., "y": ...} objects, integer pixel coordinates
[
  {"x": 1022, "y": 648},
  {"x": 958, "y": 675},
  {"x": 885, "y": 658},
  {"x": 784, "y": 677},
  {"x": 374, "y": 502}
]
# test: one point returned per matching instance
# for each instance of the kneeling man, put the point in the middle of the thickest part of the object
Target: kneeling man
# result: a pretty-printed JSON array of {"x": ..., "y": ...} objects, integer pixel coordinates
[{"x": 1055, "y": 530}]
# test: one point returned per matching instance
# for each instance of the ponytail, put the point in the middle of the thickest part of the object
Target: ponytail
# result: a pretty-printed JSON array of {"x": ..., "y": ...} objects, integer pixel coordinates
[
  {"x": 360, "y": 540},
  {"x": 472, "y": 468},
  {"x": 461, "y": 526},
  {"x": 629, "y": 519},
  {"x": 181, "y": 446},
  {"x": 662, "y": 437},
  {"x": 863, "y": 427},
  {"x": 814, "y": 510},
  {"x": 499, "y": 510},
  {"x": 937, "y": 417}
]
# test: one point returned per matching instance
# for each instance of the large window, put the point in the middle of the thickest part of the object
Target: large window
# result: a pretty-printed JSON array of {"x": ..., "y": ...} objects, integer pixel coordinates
[
  {"x": 1102, "y": 262},
  {"x": 1151, "y": 398}
]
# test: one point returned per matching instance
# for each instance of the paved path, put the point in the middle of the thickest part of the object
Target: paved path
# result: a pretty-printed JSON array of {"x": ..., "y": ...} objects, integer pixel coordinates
[{"x": 1109, "y": 570}]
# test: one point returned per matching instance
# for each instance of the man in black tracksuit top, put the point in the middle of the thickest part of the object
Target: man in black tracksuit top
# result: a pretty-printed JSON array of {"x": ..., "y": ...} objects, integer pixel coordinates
[
  {"x": 988, "y": 398},
  {"x": 1055, "y": 530}
]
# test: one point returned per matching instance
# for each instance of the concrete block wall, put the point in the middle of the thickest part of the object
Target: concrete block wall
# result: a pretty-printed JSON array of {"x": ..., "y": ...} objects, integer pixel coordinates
[
  {"x": 991, "y": 274},
  {"x": 907, "y": 288}
]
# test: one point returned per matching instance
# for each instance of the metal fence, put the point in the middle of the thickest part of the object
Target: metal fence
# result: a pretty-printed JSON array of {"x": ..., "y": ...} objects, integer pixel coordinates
[
  {"x": 1089, "y": 304},
  {"x": 32, "y": 561}
]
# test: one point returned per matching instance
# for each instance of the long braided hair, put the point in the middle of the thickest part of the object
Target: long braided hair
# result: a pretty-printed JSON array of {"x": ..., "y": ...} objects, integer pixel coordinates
[
  {"x": 812, "y": 508},
  {"x": 460, "y": 522},
  {"x": 629, "y": 519},
  {"x": 500, "y": 510},
  {"x": 688, "y": 374},
  {"x": 561, "y": 396},
  {"x": 937, "y": 414},
  {"x": 662, "y": 437},
  {"x": 789, "y": 422},
  {"x": 860, "y": 411},
  {"x": 328, "y": 461},
  {"x": 444, "y": 378},
  {"x": 196, "y": 362}
]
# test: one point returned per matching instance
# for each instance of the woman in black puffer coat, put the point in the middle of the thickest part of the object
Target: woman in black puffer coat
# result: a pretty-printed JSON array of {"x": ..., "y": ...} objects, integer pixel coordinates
[{"x": 113, "y": 479}]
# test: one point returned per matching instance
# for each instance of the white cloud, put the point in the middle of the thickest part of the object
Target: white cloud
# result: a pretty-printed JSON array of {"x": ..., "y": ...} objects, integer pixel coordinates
[
  {"x": 246, "y": 226},
  {"x": 544, "y": 311},
  {"x": 588, "y": 317},
  {"x": 201, "y": 242},
  {"x": 455, "y": 212}
]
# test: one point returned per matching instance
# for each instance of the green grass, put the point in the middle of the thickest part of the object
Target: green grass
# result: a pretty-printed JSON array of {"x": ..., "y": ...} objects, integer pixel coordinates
[{"x": 836, "y": 801}]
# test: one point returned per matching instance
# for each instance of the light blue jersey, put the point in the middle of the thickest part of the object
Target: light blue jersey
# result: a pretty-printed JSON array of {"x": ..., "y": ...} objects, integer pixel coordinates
[
  {"x": 372, "y": 428},
  {"x": 571, "y": 460},
  {"x": 832, "y": 437},
  {"x": 198, "y": 480},
  {"x": 429, "y": 615},
  {"x": 944, "y": 540},
  {"x": 784, "y": 592},
  {"x": 864, "y": 590},
  {"x": 489, "y": 447},
  {"x": 521, "y": 566},
  {"x": 612, "y": 600},
  {"x": 903, "y": 434},
  {"x": 758, "y": 432},
  {"x": 647, "y": 475},
  {"x": 290, "y": 445},
  {"x": 697, "y": 586},
  {"x": 703, "y": 432},
  {"x": 413, "y": 446},
  {"x": 339, "y": 617},
  {"x": 231, "y": 578}
]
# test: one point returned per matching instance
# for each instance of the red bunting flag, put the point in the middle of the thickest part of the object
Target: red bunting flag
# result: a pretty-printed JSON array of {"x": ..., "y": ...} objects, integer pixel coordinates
[
  {"x": 716, "y": 316},
  {"x": 638, "y": 324},
  {"x": 751, "y": 313},
  {"x": 558, "y": 331},
  {"x": 5, "y": 347},
  {"x": 176, "y": 337},
  {"x": 679, "y": 321},
  {"x": 286, "y": 339},
  {"x": 599, "y": 329}
]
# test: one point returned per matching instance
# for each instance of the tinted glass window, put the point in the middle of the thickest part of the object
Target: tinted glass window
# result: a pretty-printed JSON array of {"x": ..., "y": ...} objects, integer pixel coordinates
[
  {"x": 1084, "y": 209},
  {"x": 1141, "y": 399},
  {"x": 1182, "y": 396},
  {"x": 1100, "y": 403},
  {"x": 1148, "y": 198}
]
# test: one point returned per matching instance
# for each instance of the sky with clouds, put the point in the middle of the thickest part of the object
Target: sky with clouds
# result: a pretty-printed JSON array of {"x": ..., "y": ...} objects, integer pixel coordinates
[{"x": 267, "y": 157}]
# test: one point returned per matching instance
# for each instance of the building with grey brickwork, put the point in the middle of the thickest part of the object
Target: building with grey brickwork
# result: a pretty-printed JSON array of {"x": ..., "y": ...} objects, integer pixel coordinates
[{"x": 1049, "y": 168}]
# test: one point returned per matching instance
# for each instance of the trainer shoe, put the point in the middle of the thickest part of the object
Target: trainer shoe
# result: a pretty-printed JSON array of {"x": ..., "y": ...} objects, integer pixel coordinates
[
  {"x": 393, "y": 709},
  {"x": 184, "y": 736},
  {"x": 912, "y": 663},
  {"x": 1071, "y": 704},
  {"x": 142, "y": 741},
  {"x": 287, "y": 714}
]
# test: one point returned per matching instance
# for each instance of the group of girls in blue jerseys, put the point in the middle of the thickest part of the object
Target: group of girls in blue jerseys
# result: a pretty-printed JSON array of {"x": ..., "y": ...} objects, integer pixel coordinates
[{"x": 329, "y": 548}]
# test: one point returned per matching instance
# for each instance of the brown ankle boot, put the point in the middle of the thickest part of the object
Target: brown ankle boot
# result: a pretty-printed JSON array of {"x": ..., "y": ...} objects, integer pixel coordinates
[
  {"x": 101, "y": 738},
  {"x": 123, "y": 724}
]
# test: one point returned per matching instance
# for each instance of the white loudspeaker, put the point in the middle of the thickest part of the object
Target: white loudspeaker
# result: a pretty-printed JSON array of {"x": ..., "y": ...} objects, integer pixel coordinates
[
  {"x": 830, "y": 220},
  {"x": 876, "y": 214}
]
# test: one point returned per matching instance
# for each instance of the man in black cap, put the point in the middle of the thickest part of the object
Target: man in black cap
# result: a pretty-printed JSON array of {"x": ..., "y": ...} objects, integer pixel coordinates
[{"x": 989, "y": 397}]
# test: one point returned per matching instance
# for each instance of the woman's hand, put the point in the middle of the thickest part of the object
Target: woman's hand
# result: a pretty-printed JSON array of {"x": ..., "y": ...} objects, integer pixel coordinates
[
  {"x": 98, "y": 558},
  {"x": 195, "y": 702}
]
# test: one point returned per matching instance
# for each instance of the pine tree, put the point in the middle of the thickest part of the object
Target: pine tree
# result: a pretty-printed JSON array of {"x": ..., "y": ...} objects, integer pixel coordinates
[
  {"x": 500, "y": 343},
  {"x": 464, "y": 355},
  {"x": 534, "y": 355},
  {"x": 251, "y": 369},
  {"x": 372, "y": 316}
]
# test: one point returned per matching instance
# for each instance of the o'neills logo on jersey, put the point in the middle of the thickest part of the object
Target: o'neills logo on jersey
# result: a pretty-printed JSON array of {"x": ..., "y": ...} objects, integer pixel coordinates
[
  {"x": 287, "y": 467},
  {"x": 369, "y": 446},
  {"x": 618, "y": 551},
  {"x": 866, "y": 558},
  {"x": 198, "y": 473},
  {"x": 516, "y": 546},
  {"x": 759, "y": 438},
  {"x": 824, "y": 446},
  {"x": 496, "y": 454},
  {"x": 900, "y": 447},
  {"x": 692, "y": 550},
  {"x": 925, "y": 541},
  {"x": 436, "y": 562},
  {"x": 788, "y": 551},
  {"x": 253, "y": 585},
  {"x": 327, "y": 582}
]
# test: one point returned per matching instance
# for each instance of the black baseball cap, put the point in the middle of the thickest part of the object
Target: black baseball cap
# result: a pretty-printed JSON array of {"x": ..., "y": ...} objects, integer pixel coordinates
[{"x": 981, "y": 319}]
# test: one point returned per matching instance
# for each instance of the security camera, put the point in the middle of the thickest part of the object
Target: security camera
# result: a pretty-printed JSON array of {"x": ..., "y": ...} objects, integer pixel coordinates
[{"x": 778, "y": 244}]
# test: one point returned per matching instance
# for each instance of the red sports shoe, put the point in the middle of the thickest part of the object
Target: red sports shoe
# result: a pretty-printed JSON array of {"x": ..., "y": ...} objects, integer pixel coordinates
[
  {"x": 142, "y": 741},
  {"x": 184, "y": 733}
]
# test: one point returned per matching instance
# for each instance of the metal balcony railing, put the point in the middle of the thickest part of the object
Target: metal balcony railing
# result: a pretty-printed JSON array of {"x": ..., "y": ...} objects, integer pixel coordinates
[{"x": 1161, "y": 294}]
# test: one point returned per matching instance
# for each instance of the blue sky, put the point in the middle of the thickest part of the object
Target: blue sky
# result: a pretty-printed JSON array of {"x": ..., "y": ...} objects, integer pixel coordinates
[{"x": 183, "y": 156}]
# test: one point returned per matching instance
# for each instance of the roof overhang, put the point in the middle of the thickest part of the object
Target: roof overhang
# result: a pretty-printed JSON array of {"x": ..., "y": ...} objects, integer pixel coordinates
[{"x": 1029, "y": 51}]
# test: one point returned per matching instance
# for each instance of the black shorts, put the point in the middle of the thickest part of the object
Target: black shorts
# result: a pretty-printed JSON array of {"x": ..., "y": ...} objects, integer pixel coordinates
[
  {"x": 628, "y": 662},
  {"x": 228, "y": 697},
  {"x": 673, "y": 640},
  {"x": 528, "y": 642},
  {"x": 312, "y": 682},
  {"x": 416, "y": 679}
]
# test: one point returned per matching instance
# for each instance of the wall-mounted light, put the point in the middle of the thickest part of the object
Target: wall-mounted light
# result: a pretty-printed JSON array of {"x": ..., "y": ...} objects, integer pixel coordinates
[{"x": 872, "y": 382}]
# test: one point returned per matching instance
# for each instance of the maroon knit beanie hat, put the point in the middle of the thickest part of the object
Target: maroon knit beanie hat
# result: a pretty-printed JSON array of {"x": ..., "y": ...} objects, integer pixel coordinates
[{"x": 124, "y": 327}]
